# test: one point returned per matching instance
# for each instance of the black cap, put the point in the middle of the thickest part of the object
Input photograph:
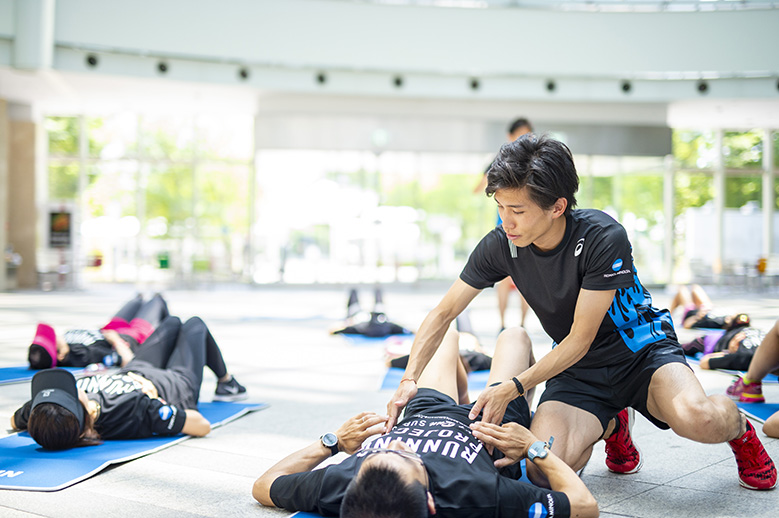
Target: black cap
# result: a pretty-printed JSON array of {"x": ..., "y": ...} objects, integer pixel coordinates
[{"x": 57, "y": 386}]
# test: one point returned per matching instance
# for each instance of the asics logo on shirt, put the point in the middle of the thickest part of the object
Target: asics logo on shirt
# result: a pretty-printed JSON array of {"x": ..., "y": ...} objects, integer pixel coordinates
[{"x": 579, "y": 247}]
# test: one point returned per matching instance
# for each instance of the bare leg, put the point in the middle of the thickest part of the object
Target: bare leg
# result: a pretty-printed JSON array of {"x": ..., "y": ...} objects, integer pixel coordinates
[
  {"x": 441, "y": 372},
  {"x": 766, "y": 356},
  {"x": 524, "y": 308},
  {"x": 575, "y": 432},
  {"x": 677, "y": 398},
  {"x": 513, "y": 355},
  {"x": 682, "y": 298},
  {"x": 504, "y": 290},
  {"x": 700, "y": 298}
]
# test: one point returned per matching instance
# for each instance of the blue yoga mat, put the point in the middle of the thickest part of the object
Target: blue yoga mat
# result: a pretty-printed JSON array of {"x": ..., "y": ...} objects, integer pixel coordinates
[
  {"x": 758, "y": 411},
  {"x": 24, "y": 465},
  {"x": 477, "y": 380},
  {"x": 769, "y": 378},
  {"x": 355, "y": 339},
  {"x": 25, "y": 373}
]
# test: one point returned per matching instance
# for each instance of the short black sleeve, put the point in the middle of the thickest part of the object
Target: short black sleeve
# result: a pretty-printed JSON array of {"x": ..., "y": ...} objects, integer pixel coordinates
[
  {"x": 520, "y": 499},
  {"x": 487, "y": 263},
  {"x": 608, "y": 259},
  {"x": 299, "y": 491},
  {"x": 735, "y": 361},
  {"x": 165, "y": 419}
]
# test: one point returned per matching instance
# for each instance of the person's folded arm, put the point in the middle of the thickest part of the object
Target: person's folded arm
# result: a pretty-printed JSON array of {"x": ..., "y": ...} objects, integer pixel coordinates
[
  {"x": 350, "y": 435},
  {"x": 591, "y": 308},
  {"x": 514, "y": 440},
  {"x": 195, "y": 424}
]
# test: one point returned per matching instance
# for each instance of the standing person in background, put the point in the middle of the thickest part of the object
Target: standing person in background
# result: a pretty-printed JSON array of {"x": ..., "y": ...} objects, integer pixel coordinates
[{"x": 516, "y": 129}]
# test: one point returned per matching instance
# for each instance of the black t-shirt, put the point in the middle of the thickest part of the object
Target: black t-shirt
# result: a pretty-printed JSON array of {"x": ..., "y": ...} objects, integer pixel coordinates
[
  {"x": 464, "y": 480},
  {"x": 128, "y": 413},
  {"x": 125, "y": 411},
  {"x": 90, "y": 346},
  {"x": 594, "y": 254}
]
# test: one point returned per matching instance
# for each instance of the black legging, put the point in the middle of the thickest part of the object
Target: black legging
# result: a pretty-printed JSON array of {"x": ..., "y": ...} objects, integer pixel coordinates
[
  {"x": 184, "y": 348},
  {"x": 152, "y": 311}
]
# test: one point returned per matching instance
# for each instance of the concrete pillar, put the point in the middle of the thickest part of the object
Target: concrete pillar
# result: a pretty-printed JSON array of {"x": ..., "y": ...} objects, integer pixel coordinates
[
  {"x": 669, "y": 212},
  {"x": 4, "y": 137},
  {"x": 22, "y": 208},
  {"x": 34, "y": 38}
]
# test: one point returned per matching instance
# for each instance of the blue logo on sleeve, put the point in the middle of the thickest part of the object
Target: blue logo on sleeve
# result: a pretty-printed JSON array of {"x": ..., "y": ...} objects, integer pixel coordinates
[
  {"x": 617, "y": 265},
  {"x": 537, "y": 510},
  {"x": 165, "y": 412}
]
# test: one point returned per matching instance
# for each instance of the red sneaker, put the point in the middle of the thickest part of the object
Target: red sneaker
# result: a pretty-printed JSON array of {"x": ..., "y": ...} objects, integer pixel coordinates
[
  {"x": 756, "y": 470},
  {"x": 740, "y": 391},
  {"x": 622, "y": 454}
]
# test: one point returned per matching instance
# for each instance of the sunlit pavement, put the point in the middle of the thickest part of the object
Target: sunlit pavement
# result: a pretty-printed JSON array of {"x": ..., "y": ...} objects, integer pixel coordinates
[{"x": 276, "y": 342}]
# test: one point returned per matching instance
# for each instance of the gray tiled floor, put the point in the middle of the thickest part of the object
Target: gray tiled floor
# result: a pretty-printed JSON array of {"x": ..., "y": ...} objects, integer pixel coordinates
[{"x": 275, "y": 341}]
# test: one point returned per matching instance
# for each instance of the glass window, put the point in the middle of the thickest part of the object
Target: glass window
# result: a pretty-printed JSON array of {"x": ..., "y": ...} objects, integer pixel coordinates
[
  {"x": 63, "y": 180},
  {"x": 225, "y": 137},
  {"x": 167, "y": 137},
  {"x": 742, "y": 150},
  {"x": 113, "y": 136},
  {"x": 63, "y": 135},
  {"x": 694, "y": 149}
]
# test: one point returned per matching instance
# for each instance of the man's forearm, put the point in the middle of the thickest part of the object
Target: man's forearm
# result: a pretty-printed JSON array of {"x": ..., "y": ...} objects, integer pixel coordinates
[
  {"x": 562, "y": 478},
  {"x": 303, "y": 460}
]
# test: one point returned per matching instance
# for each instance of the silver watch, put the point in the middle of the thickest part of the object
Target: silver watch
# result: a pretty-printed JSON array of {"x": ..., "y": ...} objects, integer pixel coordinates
[
  {"x": 539, "y": 450},
  {"x": 330, "y": 440}
]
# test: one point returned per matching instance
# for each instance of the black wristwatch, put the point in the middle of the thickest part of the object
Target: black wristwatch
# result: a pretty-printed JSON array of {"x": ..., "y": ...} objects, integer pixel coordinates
[
  {"x": 539, "y": 450},
  {"x": 330, "y": 440}
]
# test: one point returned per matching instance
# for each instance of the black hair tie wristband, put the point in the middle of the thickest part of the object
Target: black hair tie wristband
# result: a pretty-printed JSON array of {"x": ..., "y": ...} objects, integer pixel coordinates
[{"x": 520, "y": 388}]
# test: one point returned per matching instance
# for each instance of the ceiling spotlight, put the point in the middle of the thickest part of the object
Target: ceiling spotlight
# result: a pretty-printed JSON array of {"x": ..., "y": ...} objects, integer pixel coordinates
[
  {"x": 243, "y": 73},
  {"x": 626, "y": 86},
  {"x": 551, "y": 85},
  {"x": 703, "y": 87},
  {"x": 475, "y": 85},
  {"x": 162, "y": 67},
  {"x": 398, "y": 81},
  {"x": 777, "y": 84},
  {"x": 321, "y": 78},
  {"x": 91, "y": 60}
]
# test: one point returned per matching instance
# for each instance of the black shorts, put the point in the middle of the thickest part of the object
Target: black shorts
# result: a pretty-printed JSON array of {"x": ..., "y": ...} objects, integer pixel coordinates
[
  {"x": 605, "y": 391},
  {"x": 431, "y": 401}
]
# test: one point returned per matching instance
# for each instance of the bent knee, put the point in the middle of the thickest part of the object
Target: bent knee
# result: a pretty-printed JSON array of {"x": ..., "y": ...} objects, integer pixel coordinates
[{"x": 515, "y": 334}]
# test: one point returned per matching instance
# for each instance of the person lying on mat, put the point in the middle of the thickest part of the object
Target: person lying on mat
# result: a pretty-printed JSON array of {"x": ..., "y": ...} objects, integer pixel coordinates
[
  {"x": 375, "y": 324},
  {"x": 435, "y": 460},
  {"x": 155, "y": 394},
  {"x": 749, "y": 389},
  {"x": 728, "y": 350},
  {"x": 698, "y": 314},
  {"x": 131, "y": 325}
]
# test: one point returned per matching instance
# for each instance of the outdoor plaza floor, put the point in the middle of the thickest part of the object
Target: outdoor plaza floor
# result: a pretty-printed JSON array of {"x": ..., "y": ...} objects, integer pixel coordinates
[{"x": 276, "y": 342}]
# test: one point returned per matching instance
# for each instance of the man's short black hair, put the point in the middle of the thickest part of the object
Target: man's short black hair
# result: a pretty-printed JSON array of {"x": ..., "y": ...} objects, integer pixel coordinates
[
  {"x": 519, "y": 123},
  {"x": 380, "y": 492},
  {"x": 543, "y": 165}
]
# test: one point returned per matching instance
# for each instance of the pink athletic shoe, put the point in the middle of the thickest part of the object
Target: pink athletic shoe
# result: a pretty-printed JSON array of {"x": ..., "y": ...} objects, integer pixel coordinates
[{"x": 740, "y": 391}]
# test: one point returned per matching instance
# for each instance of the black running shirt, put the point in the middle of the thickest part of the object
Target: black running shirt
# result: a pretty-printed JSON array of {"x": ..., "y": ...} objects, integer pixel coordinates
[
  {"x": 595, "y": 254},
  {"x": 464, "y": 480},
  {"x": 127, "y": 413}
]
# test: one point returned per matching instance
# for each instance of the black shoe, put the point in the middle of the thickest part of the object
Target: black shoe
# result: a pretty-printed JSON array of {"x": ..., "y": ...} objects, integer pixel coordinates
[{"x": 230, "y": 391}]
